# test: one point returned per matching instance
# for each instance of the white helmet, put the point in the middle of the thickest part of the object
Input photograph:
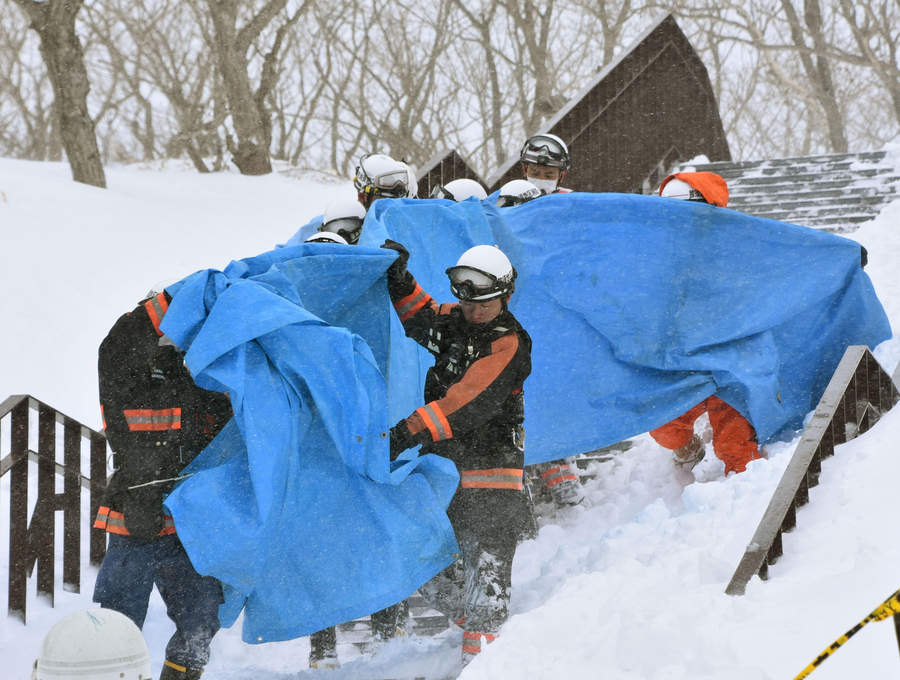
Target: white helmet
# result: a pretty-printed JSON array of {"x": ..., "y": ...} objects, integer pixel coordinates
[
  {"x": 516, "y": 192},
  {"x": 678, "y": 188},
  {"x": 344, "y": 216},
  {"x": 378, "y": 175},
  {"x": 326, "y": 237},
  {"x": 159, "y": 288},
  {"x": 459, "y": 190},
  {"x": 99, "y": 644},
  {"x": 482, "y": 273},
  {"x": 412, "y": 190},
  {"x": 547, "y": 150}
]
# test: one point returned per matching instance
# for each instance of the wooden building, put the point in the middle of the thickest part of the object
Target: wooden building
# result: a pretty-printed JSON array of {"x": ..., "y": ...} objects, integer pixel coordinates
[{"x": 649, "y": 109}]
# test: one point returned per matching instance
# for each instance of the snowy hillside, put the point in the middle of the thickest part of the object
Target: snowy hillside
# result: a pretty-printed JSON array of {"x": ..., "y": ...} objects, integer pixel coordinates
[{"x": 629, "y": 586}]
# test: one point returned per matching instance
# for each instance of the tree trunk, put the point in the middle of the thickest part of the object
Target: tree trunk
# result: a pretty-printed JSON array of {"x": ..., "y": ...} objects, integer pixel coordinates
[
  {"x": 819, "y": 72},
  {"x": 54, "y": 22},
  {"x": 251, "y": 151}
]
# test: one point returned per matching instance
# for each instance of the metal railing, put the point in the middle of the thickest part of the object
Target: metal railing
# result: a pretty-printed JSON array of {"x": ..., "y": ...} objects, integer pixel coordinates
[
  {"x": 859, "y": 393},
  {"x": 34, "y": 543}
]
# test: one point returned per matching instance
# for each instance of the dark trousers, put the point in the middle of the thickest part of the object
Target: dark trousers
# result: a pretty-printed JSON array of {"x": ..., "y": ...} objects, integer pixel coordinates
[
  {"x": 129, "y": 571},
  {"x": 475, "y": 590}
]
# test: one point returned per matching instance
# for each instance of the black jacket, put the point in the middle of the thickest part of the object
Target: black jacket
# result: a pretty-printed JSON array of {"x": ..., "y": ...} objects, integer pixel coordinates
[
  {"x": 473, "y": 393},
  {"x": 155, "y": 418}
]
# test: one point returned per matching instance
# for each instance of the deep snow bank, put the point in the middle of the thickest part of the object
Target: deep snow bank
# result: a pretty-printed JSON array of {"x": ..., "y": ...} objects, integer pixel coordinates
[
  {"x": 629, "y": 586},
  {"x": 76, "y": 257}
]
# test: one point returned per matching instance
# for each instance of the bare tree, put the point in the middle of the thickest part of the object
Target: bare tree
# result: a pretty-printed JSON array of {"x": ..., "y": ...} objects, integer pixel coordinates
[
  {"x": 54, "y": 22},
  {"x": 817, "y": 67},
  {"x": 28, "y": 125},
  {"x": 875, "y": 25},
  {"x": 249, "y": 115}
]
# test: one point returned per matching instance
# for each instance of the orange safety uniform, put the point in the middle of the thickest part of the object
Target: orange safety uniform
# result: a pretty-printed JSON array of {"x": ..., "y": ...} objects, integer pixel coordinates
[{"x": 734, "y": 439}]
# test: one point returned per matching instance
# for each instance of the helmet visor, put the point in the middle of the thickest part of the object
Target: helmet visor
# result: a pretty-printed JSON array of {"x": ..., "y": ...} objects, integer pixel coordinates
[
  {"x": 440, "y": 191},
  {"x": 469, "y": 284},
  {"x": 348, "y": 227}
]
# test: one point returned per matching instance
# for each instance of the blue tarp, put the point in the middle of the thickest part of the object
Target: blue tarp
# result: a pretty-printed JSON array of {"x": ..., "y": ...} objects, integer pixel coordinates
[
  {"x": 293, "y": 506},
  {"x": 638, "y": 309}
]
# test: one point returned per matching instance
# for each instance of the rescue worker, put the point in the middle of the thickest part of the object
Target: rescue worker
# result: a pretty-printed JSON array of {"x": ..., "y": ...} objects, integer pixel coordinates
[
  {"x": 473, "y": 415},
  {"x": 156, "y": 421},
  {"x": 545, "y": 161},
  {"x": 459, "y": 190},
  {"x": 377, "y": 176},
  {"x": 733, "y": 437},
  {"x": 344, "y": 217},
  {"x": 517, "y": 192}
]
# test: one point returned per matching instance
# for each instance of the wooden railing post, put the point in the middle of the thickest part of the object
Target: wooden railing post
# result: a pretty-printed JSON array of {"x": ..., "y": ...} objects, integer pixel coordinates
[
  {"x": 70, "y": 502},
  {"x": 18, "y": 511},
  {"x": 43, "y": 526},
  {"x": 32, "y": 543}
]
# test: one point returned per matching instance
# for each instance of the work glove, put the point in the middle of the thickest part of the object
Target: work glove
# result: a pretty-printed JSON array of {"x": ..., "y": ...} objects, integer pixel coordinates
[
  {"x": 397, "y": 271},
  {"x": 401, "y": 439}
]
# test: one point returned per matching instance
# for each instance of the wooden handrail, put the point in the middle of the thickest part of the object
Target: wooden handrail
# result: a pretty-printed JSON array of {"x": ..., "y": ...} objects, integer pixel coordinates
[
  {"x": 32, "y": 543},
  {"x": 859, "y": 393}
]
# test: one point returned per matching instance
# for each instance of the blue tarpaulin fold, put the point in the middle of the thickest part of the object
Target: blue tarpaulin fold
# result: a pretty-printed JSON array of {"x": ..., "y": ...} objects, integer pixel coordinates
[{"x": 293, "y": 506}]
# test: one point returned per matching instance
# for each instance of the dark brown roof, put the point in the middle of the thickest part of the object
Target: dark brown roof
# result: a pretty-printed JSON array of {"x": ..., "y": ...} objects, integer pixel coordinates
[{"x": 645, "y": 111}]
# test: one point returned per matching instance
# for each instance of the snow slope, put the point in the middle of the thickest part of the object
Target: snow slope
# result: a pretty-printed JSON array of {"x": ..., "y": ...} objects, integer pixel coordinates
[{"x": 629, "y": 586}]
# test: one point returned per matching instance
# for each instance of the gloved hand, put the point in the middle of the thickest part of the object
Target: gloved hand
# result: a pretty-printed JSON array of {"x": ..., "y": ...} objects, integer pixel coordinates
[
  {"x": 401, "y": 439},
  {"x": 397, "y": 272}
]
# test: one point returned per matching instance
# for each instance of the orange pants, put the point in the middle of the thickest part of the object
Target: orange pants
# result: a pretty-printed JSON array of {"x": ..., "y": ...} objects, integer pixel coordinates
[{"x": 734, "y": 439}]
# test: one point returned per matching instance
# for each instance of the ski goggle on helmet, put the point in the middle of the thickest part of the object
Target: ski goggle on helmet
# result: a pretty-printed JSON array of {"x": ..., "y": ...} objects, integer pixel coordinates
[
  {"x": 547, "y": 150},
  {"x": 381, "y": 175},
  {"x": 482, "y": 273}
]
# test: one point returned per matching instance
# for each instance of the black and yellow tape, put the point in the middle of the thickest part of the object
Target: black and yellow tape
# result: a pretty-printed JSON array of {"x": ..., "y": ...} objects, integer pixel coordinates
[{"x": 885, "y": 610}]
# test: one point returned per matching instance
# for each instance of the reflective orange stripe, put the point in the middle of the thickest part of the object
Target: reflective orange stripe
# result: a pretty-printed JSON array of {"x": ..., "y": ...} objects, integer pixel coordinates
[
  {"x": 496, "y": 478},
  {"x": 429, "y": 423},
  {"x": 156, "y": 309},
  {"x": 556, "y": 475},
  {"x": 102, "y": 416},
  {"x": 102, "y": 517},
  {"x": 472, "y": 641},
  {"x": 435, "y": 420},
  {"x": 145, "y": 419},
  {"x": 114, "y": 523},
  {"x": 180, "y": 669},
  {"x": 412, "y": 303}
]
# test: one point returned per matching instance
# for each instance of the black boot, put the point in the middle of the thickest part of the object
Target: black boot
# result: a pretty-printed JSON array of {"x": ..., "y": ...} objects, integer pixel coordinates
[
  {"x": 323, "y": 650},
  {"x": 384, "y": 623},
  {"x": 174, "y": 671}
]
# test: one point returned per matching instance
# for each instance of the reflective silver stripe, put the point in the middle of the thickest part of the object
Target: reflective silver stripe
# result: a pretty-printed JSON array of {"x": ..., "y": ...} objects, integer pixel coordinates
[
  {"x": 157, "y": 308},
  {"x": 442, "y": 434},
  {"x": 143, "y": 420},
  {"x": 115, "y": 522},
  {"x": 412, "y": 303},
  {"x": 492, "y": 478}
]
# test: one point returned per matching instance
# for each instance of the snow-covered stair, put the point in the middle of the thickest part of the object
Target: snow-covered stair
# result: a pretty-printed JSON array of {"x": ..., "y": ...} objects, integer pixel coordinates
[{"x": 833, "y": 193}]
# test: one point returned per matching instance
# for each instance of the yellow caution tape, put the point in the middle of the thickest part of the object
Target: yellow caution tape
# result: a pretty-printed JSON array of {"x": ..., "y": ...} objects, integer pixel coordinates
[{"x": 885, "y": 610}]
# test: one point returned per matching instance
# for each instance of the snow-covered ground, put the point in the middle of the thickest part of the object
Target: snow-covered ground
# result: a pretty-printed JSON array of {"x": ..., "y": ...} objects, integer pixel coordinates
[{"x": 631, "y": 585}]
